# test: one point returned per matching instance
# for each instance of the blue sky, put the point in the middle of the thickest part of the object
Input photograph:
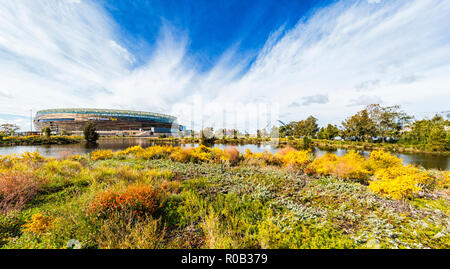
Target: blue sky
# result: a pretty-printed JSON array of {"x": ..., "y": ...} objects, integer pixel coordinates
[
  {"x": 225, "y": 63},
  {"x": 212, "y": 26}
]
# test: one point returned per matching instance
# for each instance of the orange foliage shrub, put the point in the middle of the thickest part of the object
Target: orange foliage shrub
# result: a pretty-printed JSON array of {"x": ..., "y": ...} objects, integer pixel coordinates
[
  {"x": 233, "y": 155},
  {"x": 16, "y": 189},
  {"x": 180, "y": 155},
  {"x": 261, "y": 158},
  {"x": 139, "y": 200}
]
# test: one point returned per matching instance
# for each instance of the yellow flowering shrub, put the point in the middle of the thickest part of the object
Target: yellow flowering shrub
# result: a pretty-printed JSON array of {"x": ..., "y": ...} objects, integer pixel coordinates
[
  {"x": 32, "y": 156},
  {"x": 180, "y": 155},
  {"x": 219, "y": 156},
  {"x": 399, "y": 182},
  {"x": 200, "y": 154},
  {"x": 444, "y": 181},
  {"x": 101, "y": 155},
  {"x": 261, "y": 158},
  {"x": 325, "y": 164},
  {"x": 75, "y": 157},
  {"x": 350, "y": 166},
  {"x": 8, "y": 161},
  {"x": 155, "y": 152},
  {"x": 38, "y": 224},
  {"x": 131, "y": 150},
  {"x": 295, "y": 158},
  {"x": 380, "y": 159}
]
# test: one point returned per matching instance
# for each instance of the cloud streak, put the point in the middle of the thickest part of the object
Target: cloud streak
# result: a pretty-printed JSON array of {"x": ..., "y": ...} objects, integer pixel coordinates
[{"x": 69, "y": 54}]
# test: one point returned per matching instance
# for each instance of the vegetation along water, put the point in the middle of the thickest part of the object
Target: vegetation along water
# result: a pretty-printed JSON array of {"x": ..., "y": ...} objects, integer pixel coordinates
[{"x": 174, "y": 197}]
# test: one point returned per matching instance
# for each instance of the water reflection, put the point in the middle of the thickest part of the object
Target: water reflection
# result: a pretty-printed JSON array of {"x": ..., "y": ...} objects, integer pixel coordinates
[{"x": 61, "y": 151}]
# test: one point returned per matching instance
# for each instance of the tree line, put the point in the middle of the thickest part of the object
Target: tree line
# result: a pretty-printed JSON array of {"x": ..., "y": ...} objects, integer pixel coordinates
[{"x": 376, "y": 123}]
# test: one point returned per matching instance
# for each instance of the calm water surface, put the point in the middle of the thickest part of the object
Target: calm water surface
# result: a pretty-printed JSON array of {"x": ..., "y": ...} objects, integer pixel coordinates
[{"x": 60, "y": 151}]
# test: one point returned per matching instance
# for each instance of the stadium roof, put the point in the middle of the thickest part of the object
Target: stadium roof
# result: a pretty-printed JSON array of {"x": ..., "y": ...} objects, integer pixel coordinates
[{"x": 101, "y": 111}]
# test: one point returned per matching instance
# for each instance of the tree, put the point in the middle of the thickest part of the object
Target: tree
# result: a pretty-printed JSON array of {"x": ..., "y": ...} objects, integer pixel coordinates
[
  {"x": 90, "y": 133},
  {"x": 301, "y": 128},
  {"x": 207, "y": 133},
  {"x": 429, "y": 134},
  {"x": 360, "y": 126},
  {"x": 9, "y": 129},
  {"x": 321, "y": 133},
  {"x": 389, "y": 121},
  {"x": 437, "y": 138},
  {"x": 329, "y": 132},
  {"x": 47, "y": 131},
  {"x": 235, "y": 133},
  {"x": 258, "y": 133},
  {"x": 447, "y": 141},
  {"x": 275, "y": 132},
  {"x": 220, "y": 133},
  {"x": 310, "y": 127},
  {"x": 287, "y": 130}
]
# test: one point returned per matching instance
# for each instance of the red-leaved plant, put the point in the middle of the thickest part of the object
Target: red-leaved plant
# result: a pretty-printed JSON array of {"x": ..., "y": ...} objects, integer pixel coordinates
[{"x": 138, "y": 200}]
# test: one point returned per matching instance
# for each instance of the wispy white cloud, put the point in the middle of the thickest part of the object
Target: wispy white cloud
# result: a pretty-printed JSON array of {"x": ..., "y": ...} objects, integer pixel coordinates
[{"x": 68, "y": 54}]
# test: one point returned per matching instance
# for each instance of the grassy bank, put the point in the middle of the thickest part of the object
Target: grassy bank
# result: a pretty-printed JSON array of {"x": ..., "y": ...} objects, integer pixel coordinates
[
  {"x": 39, "y": 140},
  {"x": 299, "y": 143},
  {"x": 168, "y": 197},
  {"x": 391, "y": 147}
]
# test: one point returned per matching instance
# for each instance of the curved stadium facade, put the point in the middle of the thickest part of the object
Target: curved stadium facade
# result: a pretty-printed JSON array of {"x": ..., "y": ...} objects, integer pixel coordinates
[{"x": 107, "y": 121}]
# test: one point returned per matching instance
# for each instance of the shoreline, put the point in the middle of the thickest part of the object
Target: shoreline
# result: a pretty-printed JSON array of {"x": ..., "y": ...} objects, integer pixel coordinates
[
  {"x": 297, "y": 143},
  {"x": 39, "y": 140}
]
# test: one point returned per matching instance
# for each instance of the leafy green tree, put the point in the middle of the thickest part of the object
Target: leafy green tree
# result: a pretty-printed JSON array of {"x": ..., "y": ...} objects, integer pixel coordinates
[
  {"x": 389, "y": 120},
  {"x": 235, "y": 133},
  {"x": 329, "y": 132},
  {"x": 360, "y": 126},
  {"x": 447, "y": 141},
  {"x": 311, "y": 128},
  {"x": 301, "y": 128},
  {"x": 90, "y": 133},
  {"x": 9, "y": 129},
  {"x": 287, "y": 130},
  {"x": 321, "y": 133},
  {"x": 47, "y": 131},
  {"x": 258, "y": 133},
  {"x": 428, "y": 134},
  {"x": 437, "y": 138}
]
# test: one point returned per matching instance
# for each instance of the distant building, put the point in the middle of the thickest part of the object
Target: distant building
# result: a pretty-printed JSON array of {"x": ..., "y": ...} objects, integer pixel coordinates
[
  {"x": 107, "y": 121},
  {"x": 28, "y": 133}
]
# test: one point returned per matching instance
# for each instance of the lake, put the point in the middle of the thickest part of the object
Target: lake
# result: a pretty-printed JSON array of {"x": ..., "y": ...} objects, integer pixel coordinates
[{"x": 59, "y": 151}]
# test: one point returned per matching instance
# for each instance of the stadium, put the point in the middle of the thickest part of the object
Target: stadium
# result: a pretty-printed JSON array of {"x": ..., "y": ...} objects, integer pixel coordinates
[{"x": 107, "y": 121}]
